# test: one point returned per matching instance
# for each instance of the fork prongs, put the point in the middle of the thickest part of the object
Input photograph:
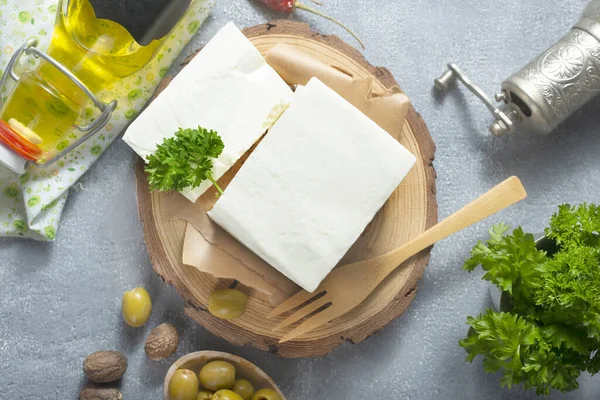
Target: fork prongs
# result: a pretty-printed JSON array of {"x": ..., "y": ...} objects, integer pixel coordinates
[
  {"x": 312, "y": 323},
  {"x": 296, "y": 300},
  {"x": 304, "y": 312}
]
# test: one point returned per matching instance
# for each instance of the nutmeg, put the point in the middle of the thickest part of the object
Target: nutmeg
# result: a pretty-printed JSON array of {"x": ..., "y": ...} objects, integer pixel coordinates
[
  {"x": 92, "y": 392},
  {"x": 162, "y": 342},
  {"x": 105, "y": 366}
]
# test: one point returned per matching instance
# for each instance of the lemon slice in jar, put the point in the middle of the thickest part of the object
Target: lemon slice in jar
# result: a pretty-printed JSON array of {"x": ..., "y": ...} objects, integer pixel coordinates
[{"x": 24, "y": 131}]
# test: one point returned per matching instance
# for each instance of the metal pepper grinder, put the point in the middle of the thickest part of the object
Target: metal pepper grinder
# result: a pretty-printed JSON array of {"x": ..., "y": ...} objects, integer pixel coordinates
[{"x": 550, "y": 88}]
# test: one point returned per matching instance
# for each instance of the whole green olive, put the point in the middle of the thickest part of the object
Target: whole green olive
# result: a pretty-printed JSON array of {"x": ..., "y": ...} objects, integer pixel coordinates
[
  {"x": 266, "y": 394},
  {"x": 227, "y": 303},
  {"x": 183, "y": 385},
  {"x": 136, "y": 307},
  {"x": 204, "y": 395},
  {"x": 217, "y": 375},
  {"x": 226, "y": 395},
  {"x": 244, "y": 389}
]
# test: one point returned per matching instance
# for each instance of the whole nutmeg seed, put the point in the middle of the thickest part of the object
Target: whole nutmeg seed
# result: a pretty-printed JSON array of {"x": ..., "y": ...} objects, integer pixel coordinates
[
  {"x": 162, "y": 342},
  {"x": 91, "y": 392},
  {"x": 105, "y": 366}
]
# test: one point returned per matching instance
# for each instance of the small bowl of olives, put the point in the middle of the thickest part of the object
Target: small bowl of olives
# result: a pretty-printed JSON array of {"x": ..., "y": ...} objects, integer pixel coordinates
[{"x": 212, "y": 375}]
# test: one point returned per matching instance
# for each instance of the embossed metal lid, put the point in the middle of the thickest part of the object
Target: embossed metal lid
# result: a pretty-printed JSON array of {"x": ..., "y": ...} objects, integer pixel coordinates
[
  {"x": 590, "y": 20},
  {"x": 556, "y": 83}
]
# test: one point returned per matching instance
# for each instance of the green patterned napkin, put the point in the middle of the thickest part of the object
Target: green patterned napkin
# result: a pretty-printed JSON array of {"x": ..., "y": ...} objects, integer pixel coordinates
[{"x": 31, "y": 204}]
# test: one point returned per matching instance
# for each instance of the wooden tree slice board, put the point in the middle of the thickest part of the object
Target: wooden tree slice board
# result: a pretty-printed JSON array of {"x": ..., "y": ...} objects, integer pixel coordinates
[{"x": 409, "y": 211}]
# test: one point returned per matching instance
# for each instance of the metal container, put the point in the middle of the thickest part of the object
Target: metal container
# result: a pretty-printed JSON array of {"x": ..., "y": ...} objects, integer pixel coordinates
[{"x": 550, "y": 88}]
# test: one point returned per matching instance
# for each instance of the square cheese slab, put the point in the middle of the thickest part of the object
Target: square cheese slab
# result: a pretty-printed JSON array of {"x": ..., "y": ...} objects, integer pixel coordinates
[
  {"x": 312, "y": 185},
  {"x": 228, "y": 87}
]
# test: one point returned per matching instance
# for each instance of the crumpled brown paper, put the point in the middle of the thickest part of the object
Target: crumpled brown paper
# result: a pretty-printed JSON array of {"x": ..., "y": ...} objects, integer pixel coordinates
[
  {"x": 212, "y": 250},
  {"x": 388, "y": 109}
]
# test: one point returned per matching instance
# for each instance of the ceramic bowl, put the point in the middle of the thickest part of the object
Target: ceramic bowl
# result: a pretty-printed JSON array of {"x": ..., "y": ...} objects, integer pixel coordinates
[{"x": 244, "y": 369}]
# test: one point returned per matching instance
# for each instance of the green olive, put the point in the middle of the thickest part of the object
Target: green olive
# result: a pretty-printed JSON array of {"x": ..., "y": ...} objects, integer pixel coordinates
[
  {"x": 136, "y": 307},
  {"x": 226, "y": 395},
  {"x": 244, "y": 389},
  {"x": 227, "y": 303},
  {"x": 183, "y": 385},
  {"x": 217, "y": 375},
  {"x": 266, "y": 394},
  {"x": 204, "y": 395}
]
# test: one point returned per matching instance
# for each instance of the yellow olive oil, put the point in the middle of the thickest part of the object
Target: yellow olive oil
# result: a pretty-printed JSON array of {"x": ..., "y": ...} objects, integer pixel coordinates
[
  {"x": 97, "y": 51},
  {"x": 42, "y": 109}
]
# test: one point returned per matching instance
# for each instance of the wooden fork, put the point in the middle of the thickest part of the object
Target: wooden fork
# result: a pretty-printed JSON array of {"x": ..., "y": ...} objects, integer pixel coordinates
[{"x": 349, "y": 285}]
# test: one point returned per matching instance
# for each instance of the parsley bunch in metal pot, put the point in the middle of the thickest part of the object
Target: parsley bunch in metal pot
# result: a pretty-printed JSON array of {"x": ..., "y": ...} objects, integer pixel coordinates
[{"x": 551, "y": 332}]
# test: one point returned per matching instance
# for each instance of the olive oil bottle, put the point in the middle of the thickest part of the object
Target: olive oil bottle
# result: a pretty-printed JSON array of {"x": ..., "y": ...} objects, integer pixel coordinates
[{"x": 96, "y": 41}]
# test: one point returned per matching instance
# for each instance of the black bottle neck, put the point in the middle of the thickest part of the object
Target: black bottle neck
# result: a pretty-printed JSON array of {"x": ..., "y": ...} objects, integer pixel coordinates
[{"x": 146, "y": 20}]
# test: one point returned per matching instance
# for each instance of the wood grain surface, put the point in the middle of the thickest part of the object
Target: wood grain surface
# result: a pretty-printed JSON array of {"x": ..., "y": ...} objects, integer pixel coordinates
[{"x": 411, "y": 209}]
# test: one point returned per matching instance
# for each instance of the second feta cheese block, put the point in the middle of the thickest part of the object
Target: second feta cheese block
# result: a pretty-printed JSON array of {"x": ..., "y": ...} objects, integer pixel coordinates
[
  {"x": 312, "y": 185},
  {"x": 229, "y": 88}
]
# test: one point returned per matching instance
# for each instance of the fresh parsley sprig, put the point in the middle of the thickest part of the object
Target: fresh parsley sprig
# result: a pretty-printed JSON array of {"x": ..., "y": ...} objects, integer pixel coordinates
[
  {"x": 552, "y": 332},
  {"x": 185, "y": 160}
]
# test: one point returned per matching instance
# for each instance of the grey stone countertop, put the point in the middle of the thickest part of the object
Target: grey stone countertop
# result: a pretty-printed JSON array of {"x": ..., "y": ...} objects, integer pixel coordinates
[{"x": 61, "y": 301}]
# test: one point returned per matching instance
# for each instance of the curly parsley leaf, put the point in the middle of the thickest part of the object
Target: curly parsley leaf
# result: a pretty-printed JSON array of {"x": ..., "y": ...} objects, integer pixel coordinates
[
  {"x": 521, "y": 351},
  {"x": 509, "y": 261},
  {"x": 552, "y": 332},
  {"x": 185, "y": 160},
  {"x": 576, "y": 226}
]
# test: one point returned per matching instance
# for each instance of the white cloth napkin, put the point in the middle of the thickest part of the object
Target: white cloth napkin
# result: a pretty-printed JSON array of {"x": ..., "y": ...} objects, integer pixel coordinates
[{"x": 31, "y": 204}]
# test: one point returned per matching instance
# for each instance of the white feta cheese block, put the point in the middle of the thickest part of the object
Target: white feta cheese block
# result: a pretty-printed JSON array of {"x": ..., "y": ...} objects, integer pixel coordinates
[
  {"x": 229, "y": 88},
  {"x": 312, "y": 185}
]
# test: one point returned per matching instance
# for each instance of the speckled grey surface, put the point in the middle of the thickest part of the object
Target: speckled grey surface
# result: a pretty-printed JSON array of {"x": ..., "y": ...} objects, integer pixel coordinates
[{"x": 60, "y": 302}]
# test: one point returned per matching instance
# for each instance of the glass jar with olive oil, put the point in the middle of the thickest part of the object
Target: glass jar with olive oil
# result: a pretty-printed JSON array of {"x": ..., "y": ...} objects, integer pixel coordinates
[{"x": 94, "y": 43}]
